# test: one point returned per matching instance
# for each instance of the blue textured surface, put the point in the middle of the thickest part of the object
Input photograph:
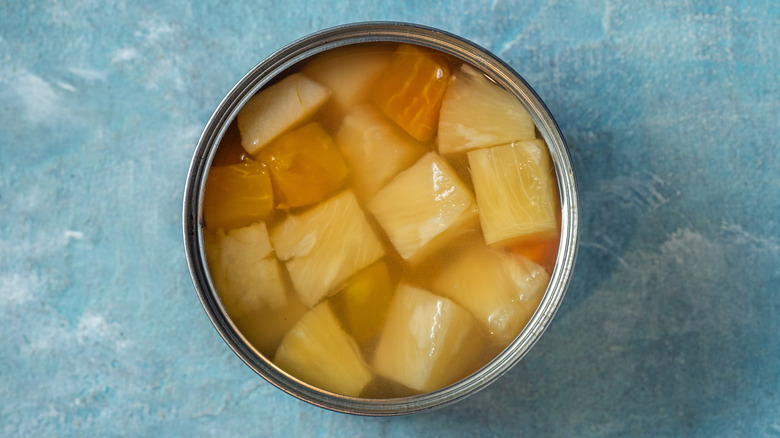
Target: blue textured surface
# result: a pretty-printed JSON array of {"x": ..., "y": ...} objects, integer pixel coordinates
[{"x": 671, "y": 325}]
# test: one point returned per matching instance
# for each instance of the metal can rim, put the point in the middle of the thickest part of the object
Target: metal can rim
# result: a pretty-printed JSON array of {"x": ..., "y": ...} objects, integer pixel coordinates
[{"x": 364, "y": 32}]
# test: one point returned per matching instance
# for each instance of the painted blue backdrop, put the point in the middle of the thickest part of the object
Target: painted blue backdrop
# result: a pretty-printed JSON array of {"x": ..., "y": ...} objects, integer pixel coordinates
[{"x": 671, "y": 326}]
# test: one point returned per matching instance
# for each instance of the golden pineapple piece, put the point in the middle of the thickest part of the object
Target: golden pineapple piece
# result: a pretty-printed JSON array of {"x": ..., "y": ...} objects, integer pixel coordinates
[
  {"x": 410, "y": 91},
  {"x": 424, "y": 207},
  {"x": 325, "y": 245},
  {"x": 319, "y": 352},
  {"x": 275, "y": 109},
  {"x": 238, "y": 195},
  {"x": 477, "y": 113},
  {"x": 515, "y": 188},
  {"x": 428, "y": 341},
  {"x": 375, "y": 148},
  {"x": 362, "y": 304},
  {"x": 265, "y": 328},
  {"x": 306, "y": 166},
  {"x": 349, "y": 72},
  {"x": 245, "y": 271},
  {"x": 500, "y": 288}
]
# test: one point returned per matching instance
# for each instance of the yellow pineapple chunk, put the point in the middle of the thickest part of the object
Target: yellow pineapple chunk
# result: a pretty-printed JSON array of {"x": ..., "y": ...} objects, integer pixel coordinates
[
  {"x": 362, "y": 304},
  {"x": 428, "y": 341},
  {"x": 245, "y": 272},
  {"x": 319, "y": 352},
  {"x": 325, "y": 245},
  {"x": 500, "y": 288},
  {"x": 515, "y": 190},
  {"x": 375, "y": 148},
  {"x": 424, "y": 207},
  {"x": 477, "y": 113},
  {"x": 349, "y": 72},
  {"x": 273, "y": 110}
]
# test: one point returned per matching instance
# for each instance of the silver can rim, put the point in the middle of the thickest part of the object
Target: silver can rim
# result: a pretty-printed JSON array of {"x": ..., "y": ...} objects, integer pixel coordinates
[{"x": 366, "y": 32}]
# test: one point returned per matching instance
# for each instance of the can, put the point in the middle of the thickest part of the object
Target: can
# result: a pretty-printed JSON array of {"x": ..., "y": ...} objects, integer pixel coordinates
[{"x": 377, "y": 32}]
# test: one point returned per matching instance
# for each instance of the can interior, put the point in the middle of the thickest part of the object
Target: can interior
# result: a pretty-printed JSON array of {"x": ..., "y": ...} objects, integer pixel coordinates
[{"x": 276, "y": 64}]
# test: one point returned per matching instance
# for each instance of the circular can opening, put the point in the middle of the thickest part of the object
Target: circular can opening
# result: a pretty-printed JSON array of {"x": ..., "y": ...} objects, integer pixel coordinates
[{"x": 389, "y": 39}]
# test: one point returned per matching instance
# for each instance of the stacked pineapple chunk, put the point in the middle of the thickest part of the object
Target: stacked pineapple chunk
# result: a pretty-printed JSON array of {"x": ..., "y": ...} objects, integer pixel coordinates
[{"x": 381, "y": 220}]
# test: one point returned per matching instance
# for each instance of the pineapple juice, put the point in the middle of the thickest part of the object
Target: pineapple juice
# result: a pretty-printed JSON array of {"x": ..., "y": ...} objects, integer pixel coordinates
[{"x": 382, "y": 220}]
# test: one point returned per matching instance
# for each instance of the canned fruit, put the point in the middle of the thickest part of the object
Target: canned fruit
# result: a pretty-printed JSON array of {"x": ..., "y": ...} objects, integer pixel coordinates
[
  {"x": 501, "y": 289},
  {"x": 375, "y": 148},
  {"x": 428, "y": 341},
  {"x": 403, "y": 242},
  {"x": 246, "y": 271},
  {"x": 349, "y": 72},
  {"x": 275, "y": 109},
  {"x": 306, "y": 166},
  {"x": 238, "y": 195},
  {"x": 317, "y": 350},
  {"x": 424, "y": 207},
  {"x": 325, "y": 245},
  {"x": 515, "y": 188},
  {"x": 477, "y": 113},
  {"x": 410, "y": 90}
]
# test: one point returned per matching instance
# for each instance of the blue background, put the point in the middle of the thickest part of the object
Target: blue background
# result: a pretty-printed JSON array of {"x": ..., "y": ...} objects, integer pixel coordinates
[{"x": 671, "y": 326}]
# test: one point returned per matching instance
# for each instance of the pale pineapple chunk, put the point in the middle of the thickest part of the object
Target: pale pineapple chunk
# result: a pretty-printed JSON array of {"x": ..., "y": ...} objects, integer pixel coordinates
[
  {"x": 477, "y": 113},
  {"x": 375, "y": 148},
  {"x": 428, "y": 341},
  {"x": 245, "y": 270},
  {"x": 318, "y": 351},
  {"x": 424, "y": 207},
  {"x": 325, "y": 245},
  {"x": 515, "y": 190},
  {"x": 500, "y": 288},
  {"x": 273, "y": 110},
  {"x": 350, "y": 73}
]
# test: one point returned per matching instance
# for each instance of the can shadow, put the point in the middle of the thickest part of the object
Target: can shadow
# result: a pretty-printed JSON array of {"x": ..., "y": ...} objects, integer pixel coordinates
[{"x": 608, "y": 215}]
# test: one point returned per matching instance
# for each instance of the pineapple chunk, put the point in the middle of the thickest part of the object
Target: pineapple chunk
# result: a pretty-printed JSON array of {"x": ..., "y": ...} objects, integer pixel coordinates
[
  {"x": 245, "y": 272},
  {"x": 273, "y": 110},
  {"x": 306, "y": 166},
  {"x": 362, "y": 304},
  {"x": 265, "y": 328},
  {"x": 349, "y": 72},
  {"x": 477, "y": 113},
  {"x": 515, "y": 190},
  {"x": 375, "y": 148},
  {"x": 326, "y": 245},
  {"x": 238, "y": 195},
  {"x": 501, "y": 289},
  {"x": 424, "y": 207},
  {"x": 428, "y": 341},
  {"x": 318, "y": 351},
  {"x": 410, "y": 90}
]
